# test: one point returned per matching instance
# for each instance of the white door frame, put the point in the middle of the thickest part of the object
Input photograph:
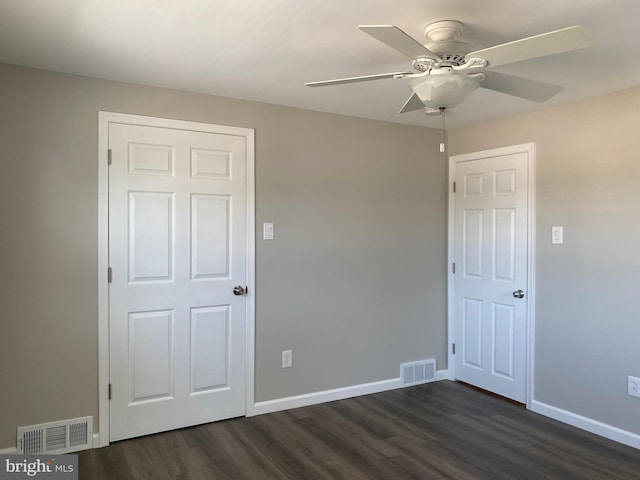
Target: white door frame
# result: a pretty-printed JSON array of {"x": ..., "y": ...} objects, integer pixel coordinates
[
  {"x": 529, "y": 150},
  {"x": 104, "y": 118}
]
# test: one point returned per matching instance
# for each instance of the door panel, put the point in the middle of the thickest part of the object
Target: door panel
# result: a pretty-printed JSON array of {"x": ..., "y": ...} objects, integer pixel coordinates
[
  {"x": 490, "y": 245},
  {"x": 504, "y": 247},
  {"x": 473, "y": 243},
  {"x": 150, "y": 356},
  {"x": 177, "y": 247},
  {"x": 503, "y": 347},
  {"x": 472, "y": 333},
  {"x": 151, "y": 234},
  {"x": 210, "y": 215},
  {"x": 209, "y": 348}
]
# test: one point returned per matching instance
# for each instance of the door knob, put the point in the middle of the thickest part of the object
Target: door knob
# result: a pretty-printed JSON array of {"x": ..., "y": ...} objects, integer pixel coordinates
[
  {"x": 518, "y": 294},
  {"x": 239, "y": 290}
]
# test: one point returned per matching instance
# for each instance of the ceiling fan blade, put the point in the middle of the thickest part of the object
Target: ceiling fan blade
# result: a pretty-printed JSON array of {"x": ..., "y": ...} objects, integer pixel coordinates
[
  {"x": 365, "y": 78},
  {"x": 412, "y": 104},
  {"x": 520, "y": 87},
  {"x": 398, "y": 40},
  {"x": 550, "y": 43}
]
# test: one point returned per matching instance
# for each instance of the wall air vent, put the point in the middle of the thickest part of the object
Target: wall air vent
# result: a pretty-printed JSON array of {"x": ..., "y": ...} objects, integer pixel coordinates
[
  {"x": 415, "y": 373},
  {"x": 56, "y": 437}
]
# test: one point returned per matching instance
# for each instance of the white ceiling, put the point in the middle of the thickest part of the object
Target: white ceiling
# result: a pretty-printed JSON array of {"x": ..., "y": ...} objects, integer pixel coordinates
[{"x": 265, "y": 50}]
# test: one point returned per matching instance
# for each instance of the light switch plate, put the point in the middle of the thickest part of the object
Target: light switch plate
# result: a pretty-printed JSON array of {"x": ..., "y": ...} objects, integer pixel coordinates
[
  {"x": 267, "y": 231},
  {"x": 557, "y": 235},
  {"x": 287, "y": 358}
]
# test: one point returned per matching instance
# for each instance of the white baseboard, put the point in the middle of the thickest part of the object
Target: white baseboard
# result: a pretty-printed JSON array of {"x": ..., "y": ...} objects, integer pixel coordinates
[
  {"x": 298, "y": 401},
  {"x": 584, "y": 423},
  {"x": 314, "y": 398},
  {"x": 13, "y": 450},
  {"x": 604, "y": 430},
  {"x": 442, "y": 375}
]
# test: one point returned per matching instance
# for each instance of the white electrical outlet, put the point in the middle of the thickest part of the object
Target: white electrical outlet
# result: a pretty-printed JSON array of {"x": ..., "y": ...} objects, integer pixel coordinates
[
  {"x": 287, "y": 359},
  {"x": 633, "y": 387}
]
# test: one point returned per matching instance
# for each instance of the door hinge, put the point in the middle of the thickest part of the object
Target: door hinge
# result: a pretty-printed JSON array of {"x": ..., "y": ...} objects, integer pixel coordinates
[
  {"x": 109, "y": 157},
  {"x": 109, "y": 275},
  {"x": 452, "y": 351},
  {"x": 109, "y": 391},
  {"x": 454, "y": 183},
  {"x": 453, "y": 267}
]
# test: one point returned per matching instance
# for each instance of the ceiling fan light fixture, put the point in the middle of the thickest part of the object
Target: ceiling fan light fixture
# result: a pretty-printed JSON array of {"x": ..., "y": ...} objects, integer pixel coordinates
[
  {"x": 444, "y": 90},
  {"x": 450, "y": 69}
]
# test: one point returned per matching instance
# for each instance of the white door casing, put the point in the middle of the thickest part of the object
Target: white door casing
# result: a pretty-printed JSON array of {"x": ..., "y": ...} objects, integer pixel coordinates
[
  {"x": 491, "y": 247},
  {"x": 180, "y": 213}
]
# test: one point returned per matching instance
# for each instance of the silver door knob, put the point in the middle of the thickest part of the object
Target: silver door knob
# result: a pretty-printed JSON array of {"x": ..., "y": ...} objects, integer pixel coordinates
[
  {"x": 518, "y": 294},
  {"x": 239, "y": 290}
]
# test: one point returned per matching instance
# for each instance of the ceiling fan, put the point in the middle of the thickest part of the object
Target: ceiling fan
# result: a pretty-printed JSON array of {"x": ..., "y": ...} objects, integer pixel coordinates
[{"x": 448, "y": 70}]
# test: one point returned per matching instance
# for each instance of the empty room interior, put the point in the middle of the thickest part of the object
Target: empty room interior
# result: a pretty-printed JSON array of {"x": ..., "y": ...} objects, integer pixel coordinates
[{"x": 368, "y": 224}]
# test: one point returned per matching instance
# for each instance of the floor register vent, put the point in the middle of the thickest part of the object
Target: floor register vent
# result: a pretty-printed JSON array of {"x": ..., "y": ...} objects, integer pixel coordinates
[
  {"x": 56, "y": 437},
  {"x": 415, "y": 373}
]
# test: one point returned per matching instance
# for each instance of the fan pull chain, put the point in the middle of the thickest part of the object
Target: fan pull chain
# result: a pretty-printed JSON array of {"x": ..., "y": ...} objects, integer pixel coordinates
[{"x": 444, "y": 138}]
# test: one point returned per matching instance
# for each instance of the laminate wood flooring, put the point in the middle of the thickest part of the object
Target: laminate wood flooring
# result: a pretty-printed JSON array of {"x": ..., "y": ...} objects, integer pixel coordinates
[{"x": 440, "y": 430}]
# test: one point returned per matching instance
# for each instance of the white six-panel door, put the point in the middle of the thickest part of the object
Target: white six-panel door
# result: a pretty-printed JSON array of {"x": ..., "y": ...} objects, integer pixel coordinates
[
  {"x": 177, "y": 248},
  {"x": 491, "y": 262}
]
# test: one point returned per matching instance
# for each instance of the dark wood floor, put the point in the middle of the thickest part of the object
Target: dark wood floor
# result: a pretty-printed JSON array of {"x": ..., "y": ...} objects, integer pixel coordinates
[{"x": 438, "y": 430}]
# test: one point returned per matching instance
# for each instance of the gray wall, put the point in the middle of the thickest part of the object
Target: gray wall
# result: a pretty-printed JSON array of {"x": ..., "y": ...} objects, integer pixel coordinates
[
  {"x": 588, "y": 175},
  {"x": 354, "y": 282}
]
